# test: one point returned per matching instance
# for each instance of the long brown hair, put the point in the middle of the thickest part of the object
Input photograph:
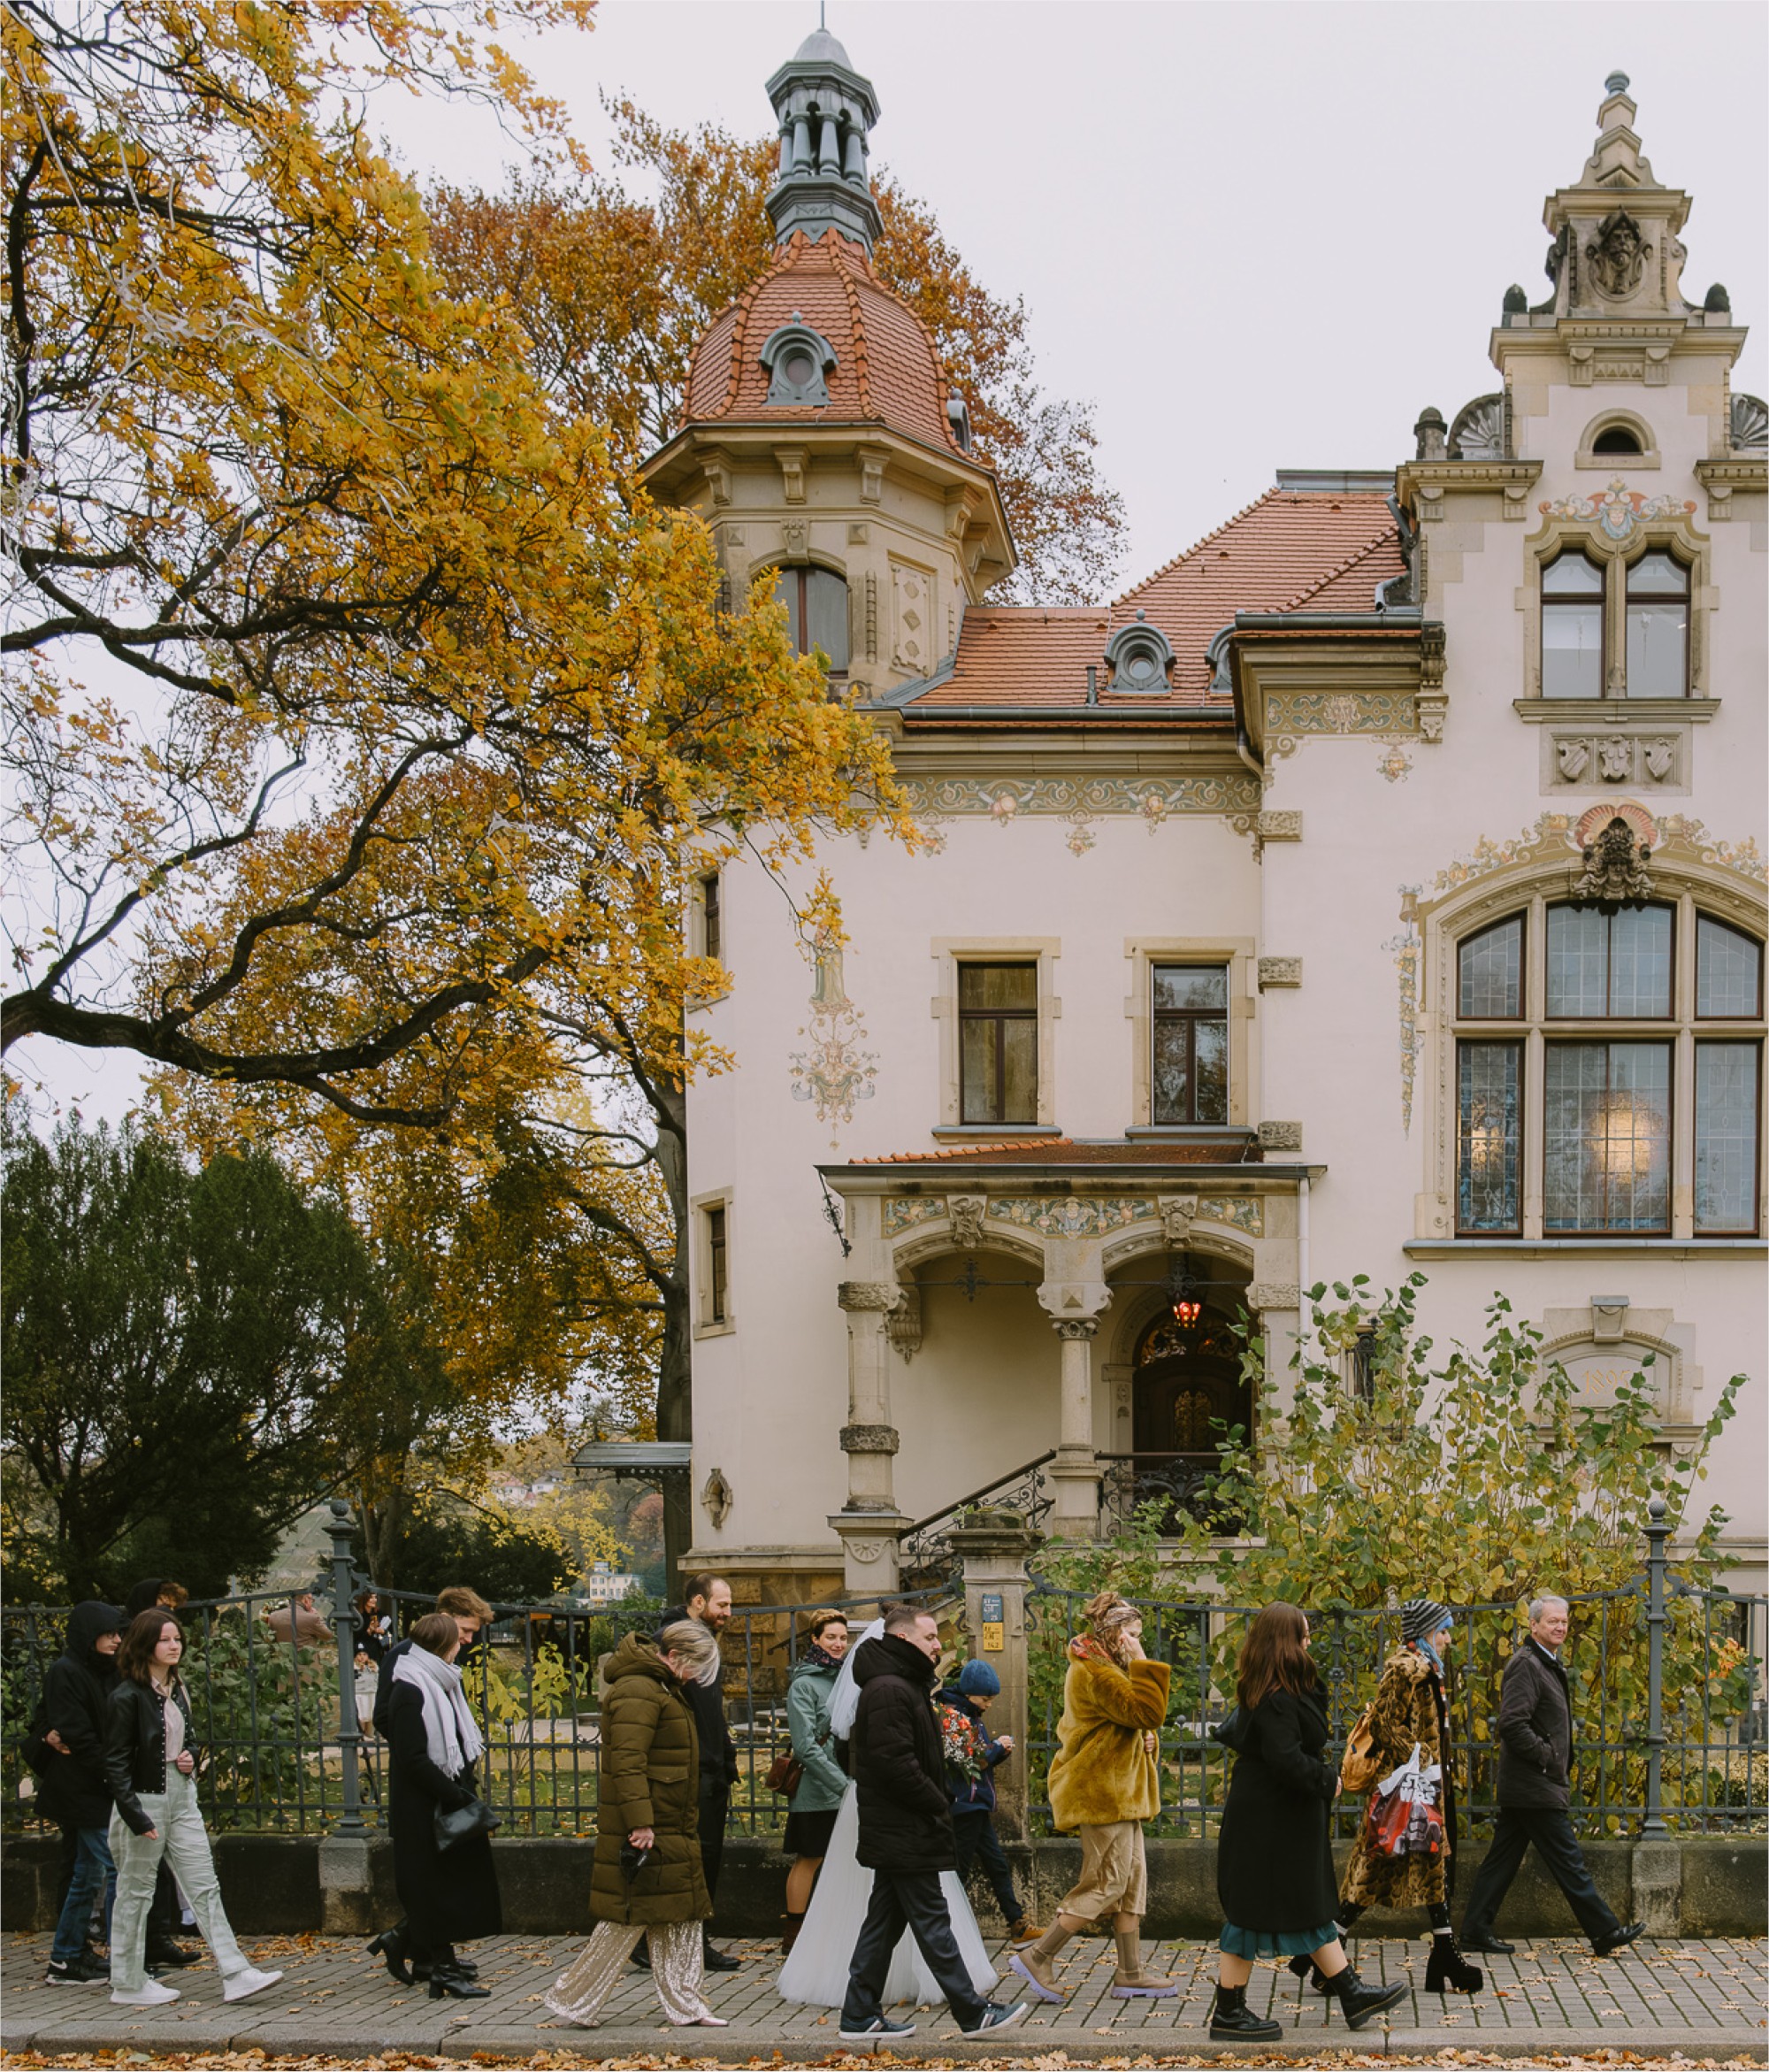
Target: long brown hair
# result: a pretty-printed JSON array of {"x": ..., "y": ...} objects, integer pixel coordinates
[
  {"x": 1273, "y": 1658},
  {"x": 141, "y": 1637}
]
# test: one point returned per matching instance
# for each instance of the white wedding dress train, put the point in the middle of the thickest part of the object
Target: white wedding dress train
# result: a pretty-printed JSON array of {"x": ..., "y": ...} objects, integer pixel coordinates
[{"x": 816, "y": 1974}]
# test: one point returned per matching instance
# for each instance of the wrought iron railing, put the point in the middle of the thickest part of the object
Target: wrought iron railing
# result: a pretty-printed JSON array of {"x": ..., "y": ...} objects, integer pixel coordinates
[
  {"x": 925, "y": 1552},
  {"x": 286, "y": 1730},
  {"x": 1179, "y": 1484},
  {"x": 1668, "y": 1701}
]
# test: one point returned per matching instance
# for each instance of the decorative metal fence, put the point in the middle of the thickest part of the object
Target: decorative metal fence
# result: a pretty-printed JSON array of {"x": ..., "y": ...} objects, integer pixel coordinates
[
  {"x": 286, "y": 1725},
  {"x": 1668, "y": 1701}
]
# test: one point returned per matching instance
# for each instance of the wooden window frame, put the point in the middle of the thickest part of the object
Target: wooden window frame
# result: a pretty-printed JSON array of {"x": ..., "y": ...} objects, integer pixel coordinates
[
  {"x": 1608, "y": 1041},
  {"x": 1755, "y": 1014},
  {"x": 999, "y": 1017},
  {"x": 1513, "y": 1038},
  {"x": 1755, "y": 1227},
  {"x": 1192, "y": 1017},
  {"x": 1669, "y": 1018},
  {"x": 1597, "y": 600},
  {"x": 1686, "y": 597}
]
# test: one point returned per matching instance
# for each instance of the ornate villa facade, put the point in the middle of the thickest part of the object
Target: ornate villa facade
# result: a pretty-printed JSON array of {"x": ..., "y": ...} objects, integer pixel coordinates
[{"x": 1378, "y": 886}]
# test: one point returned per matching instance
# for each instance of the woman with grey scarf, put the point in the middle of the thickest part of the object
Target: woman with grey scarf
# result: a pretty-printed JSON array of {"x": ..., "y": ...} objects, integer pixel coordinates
[{"x": 449, "y": 1895}]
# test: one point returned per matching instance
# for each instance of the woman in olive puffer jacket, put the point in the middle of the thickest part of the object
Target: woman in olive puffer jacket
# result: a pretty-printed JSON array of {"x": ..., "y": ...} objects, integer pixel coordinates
[{"x": 648, "y": 1879}]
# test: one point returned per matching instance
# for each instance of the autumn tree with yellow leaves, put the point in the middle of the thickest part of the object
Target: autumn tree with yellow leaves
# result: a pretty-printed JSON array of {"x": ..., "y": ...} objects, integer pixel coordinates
[{"x": 350, "y": 688}]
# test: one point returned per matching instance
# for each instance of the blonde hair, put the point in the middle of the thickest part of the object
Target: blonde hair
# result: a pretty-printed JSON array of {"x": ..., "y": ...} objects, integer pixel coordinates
[{"x": 693, "y": 1645}]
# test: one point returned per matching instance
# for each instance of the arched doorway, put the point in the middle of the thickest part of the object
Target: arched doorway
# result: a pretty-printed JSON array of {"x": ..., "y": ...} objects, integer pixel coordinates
[{"x": 1187, "y": 1393}]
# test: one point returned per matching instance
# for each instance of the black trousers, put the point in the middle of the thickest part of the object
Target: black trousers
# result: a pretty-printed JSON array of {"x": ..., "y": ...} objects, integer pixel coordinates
[
  {"x": 1551, "y": 1831},
  {"x": 975, "y": 1837},
  {"x": 911, "y": 1900},
  {"x": 711, "y": 1815}
]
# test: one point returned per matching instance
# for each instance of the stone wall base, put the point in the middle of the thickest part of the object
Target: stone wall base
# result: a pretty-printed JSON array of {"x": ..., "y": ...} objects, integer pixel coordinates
[{"x": 292, "y": 1885}]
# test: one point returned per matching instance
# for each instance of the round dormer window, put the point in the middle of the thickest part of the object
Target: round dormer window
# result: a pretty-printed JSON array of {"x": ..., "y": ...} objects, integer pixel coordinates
[
  {"x": 1141, "y": 668},
  {"x": 798, "y": 368}
]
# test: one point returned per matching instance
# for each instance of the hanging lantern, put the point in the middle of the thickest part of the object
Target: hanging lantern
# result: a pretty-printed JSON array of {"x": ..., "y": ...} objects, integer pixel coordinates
[{"x": 1182, "y": 1299}]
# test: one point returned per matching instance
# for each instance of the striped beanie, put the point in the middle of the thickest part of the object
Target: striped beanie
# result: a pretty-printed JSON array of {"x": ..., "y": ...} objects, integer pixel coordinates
[{"x": 1420, "y": 1617}]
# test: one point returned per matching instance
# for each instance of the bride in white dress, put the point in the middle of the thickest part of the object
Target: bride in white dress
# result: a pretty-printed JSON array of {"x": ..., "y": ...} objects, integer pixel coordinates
[{"x": 816, "y": 1974}]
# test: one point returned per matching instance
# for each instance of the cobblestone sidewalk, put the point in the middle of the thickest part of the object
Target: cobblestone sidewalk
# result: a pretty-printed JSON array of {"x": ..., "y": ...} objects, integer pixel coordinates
[{"x": 1690, "y": 1999}]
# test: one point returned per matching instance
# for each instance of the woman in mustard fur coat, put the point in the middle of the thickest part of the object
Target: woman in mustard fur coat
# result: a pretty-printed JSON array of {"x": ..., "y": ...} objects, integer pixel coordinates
[{"x": 1104, "y": 1780}]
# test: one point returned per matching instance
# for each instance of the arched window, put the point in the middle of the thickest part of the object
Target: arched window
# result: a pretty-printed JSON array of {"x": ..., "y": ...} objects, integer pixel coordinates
[
  {"x": 1599, "y": 1075},
  {"x": 1572, "y": 628},
  {"x": 1658, "y": 626},
  {"x": 1617, "y": 439},
  {"x": 816, "y": 612}
]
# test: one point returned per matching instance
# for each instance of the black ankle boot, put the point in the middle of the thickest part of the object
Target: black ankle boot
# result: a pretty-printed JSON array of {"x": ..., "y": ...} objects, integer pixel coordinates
[
  {"x": 1306, "y": 1968},
  {"x": 1362, "y": 2003},
  {"x": 390, "y": 1949},
  {"x": 1232, "y": 2020},
  {"x": 457, "y": 1986},
  {"x": 1448, "y": 1971}
]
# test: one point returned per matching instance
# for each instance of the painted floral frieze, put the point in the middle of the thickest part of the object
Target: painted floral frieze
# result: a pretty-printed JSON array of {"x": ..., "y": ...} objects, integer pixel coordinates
[
  {"x": 1070, "y": 1216},
  {"x": 903, "y": 1212}
]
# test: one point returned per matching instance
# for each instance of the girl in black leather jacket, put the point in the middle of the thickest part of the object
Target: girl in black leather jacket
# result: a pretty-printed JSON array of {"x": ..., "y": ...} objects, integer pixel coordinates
[{"x": 150, "y": 1763}]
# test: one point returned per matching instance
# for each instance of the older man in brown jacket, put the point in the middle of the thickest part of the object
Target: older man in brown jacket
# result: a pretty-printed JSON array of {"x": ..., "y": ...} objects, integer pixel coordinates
[{"x": 1535, "y": 1792}]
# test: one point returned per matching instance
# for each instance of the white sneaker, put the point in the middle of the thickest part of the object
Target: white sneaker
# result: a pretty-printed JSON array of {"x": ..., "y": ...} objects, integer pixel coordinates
[
  {"x": 152, "y": 1994},
  {"x": 244, "y": 1984}
]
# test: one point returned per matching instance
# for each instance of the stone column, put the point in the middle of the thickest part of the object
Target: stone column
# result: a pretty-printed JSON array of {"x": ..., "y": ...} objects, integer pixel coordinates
[
  {"x": 1075, "y": 1470},
  {"x": 993, "y": 1554},
  {"x": 869, "y": 1522}
]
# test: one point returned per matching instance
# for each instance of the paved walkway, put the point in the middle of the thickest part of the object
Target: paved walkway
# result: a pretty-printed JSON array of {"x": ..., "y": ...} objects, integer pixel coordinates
[{"x": 1688, "y": 1999}]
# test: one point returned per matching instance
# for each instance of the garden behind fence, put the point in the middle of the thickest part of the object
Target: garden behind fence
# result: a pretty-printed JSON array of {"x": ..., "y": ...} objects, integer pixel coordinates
[{"x": 1667, "y": 1692}]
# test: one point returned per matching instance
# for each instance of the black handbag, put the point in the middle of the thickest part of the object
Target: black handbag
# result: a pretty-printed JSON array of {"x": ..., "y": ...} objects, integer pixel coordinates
[{"x": 461, "y": 1824}]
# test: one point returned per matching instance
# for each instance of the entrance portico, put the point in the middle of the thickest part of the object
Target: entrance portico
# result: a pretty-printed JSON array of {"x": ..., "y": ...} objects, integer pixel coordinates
[{"x": 1096, "y": 1240}]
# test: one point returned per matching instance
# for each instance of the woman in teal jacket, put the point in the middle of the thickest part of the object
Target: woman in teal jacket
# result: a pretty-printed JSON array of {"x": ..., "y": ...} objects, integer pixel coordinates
[{"x": 815, "y": 1804}]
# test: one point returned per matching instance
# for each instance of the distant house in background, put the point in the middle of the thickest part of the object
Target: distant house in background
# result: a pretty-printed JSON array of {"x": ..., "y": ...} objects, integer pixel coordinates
[{"x": 605, "y": 1585}]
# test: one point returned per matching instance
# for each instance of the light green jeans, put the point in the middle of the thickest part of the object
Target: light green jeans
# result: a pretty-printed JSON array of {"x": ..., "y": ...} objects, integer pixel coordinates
[{"x": 180, "y": 1837}]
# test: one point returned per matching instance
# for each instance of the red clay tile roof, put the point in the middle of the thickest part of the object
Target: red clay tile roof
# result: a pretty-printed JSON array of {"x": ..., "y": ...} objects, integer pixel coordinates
[
  {"x": 886, "y": 370},
  {"x": 1067, "y": 1151},
  {"x": 1293, "y": 549}
]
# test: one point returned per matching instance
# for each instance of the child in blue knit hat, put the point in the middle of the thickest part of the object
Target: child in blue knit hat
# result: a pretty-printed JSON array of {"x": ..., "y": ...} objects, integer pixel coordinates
[{"x": 971, "y": 1754}]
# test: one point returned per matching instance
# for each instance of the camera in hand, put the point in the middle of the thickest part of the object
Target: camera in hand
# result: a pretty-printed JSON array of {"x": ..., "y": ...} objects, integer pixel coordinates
[{"x": 632, "y": 1861}]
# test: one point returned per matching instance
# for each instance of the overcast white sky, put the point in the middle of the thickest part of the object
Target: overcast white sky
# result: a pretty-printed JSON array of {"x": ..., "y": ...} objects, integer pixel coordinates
[{"x": 1258, "y": 236}]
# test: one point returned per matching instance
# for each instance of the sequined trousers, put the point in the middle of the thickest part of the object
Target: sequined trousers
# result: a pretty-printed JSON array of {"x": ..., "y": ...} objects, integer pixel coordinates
[{"x": 577, "y": 1995}]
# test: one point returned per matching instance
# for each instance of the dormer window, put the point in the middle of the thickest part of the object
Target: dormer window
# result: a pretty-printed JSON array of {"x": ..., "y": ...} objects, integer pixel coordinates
[
  {"x": 958, "y": 416},
  {"x": 1139, "y": 655},
  {"x": 799, "y": 361},
  {"x": 1617, "y": 439}
]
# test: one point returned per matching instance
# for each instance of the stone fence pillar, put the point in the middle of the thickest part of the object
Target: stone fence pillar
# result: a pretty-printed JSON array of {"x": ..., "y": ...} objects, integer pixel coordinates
[{"x": 991, "y": 1551}]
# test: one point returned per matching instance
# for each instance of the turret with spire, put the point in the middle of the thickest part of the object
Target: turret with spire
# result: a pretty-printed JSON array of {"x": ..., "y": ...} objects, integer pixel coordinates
[{"x": 825, "y": 111}]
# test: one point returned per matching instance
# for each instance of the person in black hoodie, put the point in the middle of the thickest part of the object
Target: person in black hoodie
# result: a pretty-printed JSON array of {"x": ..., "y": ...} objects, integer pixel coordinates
[
  {"x": 75, "y": 1795},
  {"x": 897, "y": 1759}
]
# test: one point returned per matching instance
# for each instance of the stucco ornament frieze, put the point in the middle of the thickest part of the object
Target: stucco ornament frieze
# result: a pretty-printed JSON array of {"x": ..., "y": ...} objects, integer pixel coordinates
[
  {"x": 1274, "y": 1294},
  {"x": 1341, "y": 712},
  {"x": 1616, "y": 256},
  {"x": 1005, "y": 799},
  {"x": 1239, "y": 1212},
  {"x": 903, "y": 1212},
  {"x": 1280, "y": 1136},
  {"x": 903, "y": 1324},
  {"x": 1394, "y": 764},
  {"x": 867, "y": 1295},
  {"x": 1176, "y": 1219},
  {"x": 869, "y": 1439},
  {"x": 1616, "y": 510},
  {"x": 1279, "y": 972},
  {"x": 1072, "y": 1216},
  {"x": 967, "y": 1212}
]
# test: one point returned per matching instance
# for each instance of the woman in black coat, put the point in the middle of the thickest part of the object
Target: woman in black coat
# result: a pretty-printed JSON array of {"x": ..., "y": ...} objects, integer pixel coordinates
[
  {"x": 449, "y": 1895},
  {"x": 1273, "y": 1857}
]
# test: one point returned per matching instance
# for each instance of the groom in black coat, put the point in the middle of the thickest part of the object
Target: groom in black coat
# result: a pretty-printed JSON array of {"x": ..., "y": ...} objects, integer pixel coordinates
[{"x": 906, "y": 1838}]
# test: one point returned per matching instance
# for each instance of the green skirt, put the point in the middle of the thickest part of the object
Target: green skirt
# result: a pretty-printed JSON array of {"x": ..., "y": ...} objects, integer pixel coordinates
[{"x": 1249, "y": 1943}]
